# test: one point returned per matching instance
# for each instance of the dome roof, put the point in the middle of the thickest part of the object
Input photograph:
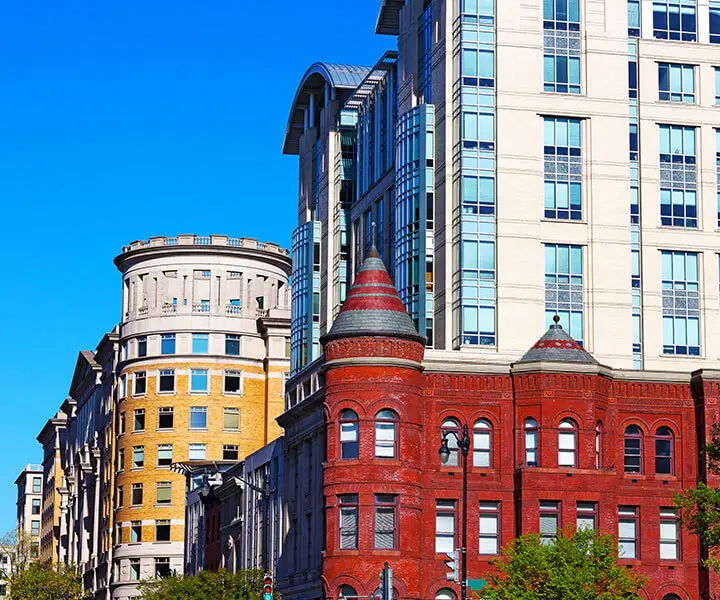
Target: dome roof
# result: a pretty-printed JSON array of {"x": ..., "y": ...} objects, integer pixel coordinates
[
  {"x": 373, "y": 307},
  {"x": 557, "y": 346}
]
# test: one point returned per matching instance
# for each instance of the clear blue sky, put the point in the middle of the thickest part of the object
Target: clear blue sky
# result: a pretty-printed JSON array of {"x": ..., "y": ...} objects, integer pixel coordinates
[{"x": 123, "y": 120}]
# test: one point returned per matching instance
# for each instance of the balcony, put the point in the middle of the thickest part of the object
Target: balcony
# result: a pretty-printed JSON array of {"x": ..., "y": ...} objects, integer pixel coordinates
[
  {"x": 206, "y": 240},
  {"x": 201, "y": 307},
  {"x": 233, "y": 309},
  {"x": 143, "y": 311},
  {"x": 169, "y": 307}
]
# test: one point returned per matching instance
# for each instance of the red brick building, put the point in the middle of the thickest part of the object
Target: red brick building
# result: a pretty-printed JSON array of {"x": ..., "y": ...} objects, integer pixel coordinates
[{"x": 558, "y": 441}]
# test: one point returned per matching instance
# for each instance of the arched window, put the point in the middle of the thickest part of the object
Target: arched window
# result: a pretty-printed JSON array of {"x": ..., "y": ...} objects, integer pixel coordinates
[
  {"x": 599, "y": 445},
  {"x": 348, "y": 434},
  {"x": 385, "y": 434},
  {"x": 451, "y": 426},
  {"x": 445, "y": 594},
  {"x": 632, "y": 449},
  {"x": 347, "y": 591},
  {"x": 531, "y": 443},
  {"x": 671, "y": 597},
  {"x": 567, "y": 443},
  {"x": 482, "y": 444},
  {"x": 664, "y": 451}
]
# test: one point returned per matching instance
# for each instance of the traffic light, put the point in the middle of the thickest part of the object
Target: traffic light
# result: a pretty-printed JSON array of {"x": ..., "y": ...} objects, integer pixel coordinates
[
  {"x": 267, "y": 587},
  {"x": 454, "y": 566},
  {"x": 386, "y": 583}
]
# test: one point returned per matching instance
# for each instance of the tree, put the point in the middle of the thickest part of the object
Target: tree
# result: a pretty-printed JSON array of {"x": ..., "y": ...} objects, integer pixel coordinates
[
  {"x": 246, "y": 584},
  {"x": 579, "y": 565},
  {"x": 19, "y": 545},
  {"x": 39, "y": 582}
]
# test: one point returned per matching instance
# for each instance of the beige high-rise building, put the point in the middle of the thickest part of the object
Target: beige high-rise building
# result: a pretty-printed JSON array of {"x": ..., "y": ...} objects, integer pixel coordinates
[{"x": 29, "y": 507}]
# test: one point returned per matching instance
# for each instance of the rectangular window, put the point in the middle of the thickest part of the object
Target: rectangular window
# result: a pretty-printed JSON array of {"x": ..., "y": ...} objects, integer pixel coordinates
[
  {"x": 137, "y": 494},
  {"x": 139, "y": 419},
  {"x": 123, "y": 386},
  {"x": 634, "y": 18},
  {"x": 136, "y": 532},
  {"x": 34, "y": 528},
  {"x": 167, "y": 380},
  {"x": 562, "y": 46},
  {"x": 198, "y": 380},
  {"x": 231, "y": 419},
  {"x": 163, "y": 492},
  {"x": 628, "y": 532},
  {"x": 36, "y": 506},
  {"x": 134, "y": 569},
  {"x": 564, "y": 288},
  {"x": 167, "y": 343},
  {"x": 232, "y": 383},
  {"x": 140, "y": 383},
  {"x": 669, "y": 534},
  {"x": 489, "y": 528},
  {"x": 121, "y": 460},
  {"x": 348, "y": 521},
  {"x": 681, "y": 303},
  {"x": 166, "y": 417},
  {"x": 678, "y": 176},
  {"x": 385, "y": 519},
  {"x": 676, "y": 83},
  {"x": 231, "y": 452},
  {"x": 122, "y": 423},
  {"x": 142, "y": 346},
  {"x": 675, "y": 20},
  {"x": 549, "y": 521},
  {"x": 138, "y": 457},
  {"x": 232, "y": 345},
  {"x": 162, "y": 567},
  {"x": 121, "y": 496},
  {"x": 164, "y": 455},
  {"x": 198, "y": 417},
  {"x": 425, "y": 29},
  {"x": 162, "y": 530},
  {"x": 197, "y": 452},
  {"x": 563, "y": 169},
  {"x": 586, "y": 516},
  {"x": 445, "y": 517},
  {"x": 200, "y": 343},
  {"x": 715, "y": 21}
]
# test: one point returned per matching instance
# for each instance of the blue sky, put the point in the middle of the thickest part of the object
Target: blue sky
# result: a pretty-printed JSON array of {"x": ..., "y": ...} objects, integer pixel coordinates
[{"x": 123, "y": 120}]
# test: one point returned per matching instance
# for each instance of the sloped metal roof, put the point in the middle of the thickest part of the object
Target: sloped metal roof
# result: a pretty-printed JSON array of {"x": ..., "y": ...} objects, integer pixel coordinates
[{"x": 557, "y": 346}]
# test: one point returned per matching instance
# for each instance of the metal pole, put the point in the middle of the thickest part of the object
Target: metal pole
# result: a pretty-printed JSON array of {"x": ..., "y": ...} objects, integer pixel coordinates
[
  {"x": 465, "y": 444},
  {"x": 266, "y": 502}
]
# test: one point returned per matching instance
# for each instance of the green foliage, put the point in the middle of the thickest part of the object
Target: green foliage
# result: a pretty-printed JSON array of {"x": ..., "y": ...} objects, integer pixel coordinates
[
  {"x": 580, "y": 565},
  {"x": 49, "y": 583},
  {"x": 246, "y": 584}
]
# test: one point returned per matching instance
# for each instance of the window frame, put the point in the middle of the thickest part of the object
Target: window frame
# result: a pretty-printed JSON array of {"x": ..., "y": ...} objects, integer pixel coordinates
[
  {"x": 136, "y": 491},
  {"x": 135, "y": 532},
  {"x": 386, "y": 503},
  {"x": 163, "y": 523},
  {"x": 531, "y": 429},
  {"x": 228, "y": 452},
  {"x": 198, "y": 410},
  {"x": 489, "y": 509},
  {"x": 640, "y": 436},
  {"x": 549, "y": 509},
  {"x": 163, "y": 374},
  {"x": 200, "y": 340},
  {"x": 138, "y": 458},
  {"x": 230, "y": 340},
  {"x": 164, "y": 448},
  {"x": 168, "y": 344},
  {"x": 570, "y": 430},
  {"x": 390, "y": 418},
  {"x": 138, "y": 419},
  {"x": 202, "y": 376},
  {"x": 448, "y": 508},
  {"x": 669, "y": 95},
  {"x": 231, "y": 410},
  {"x": 197, "y": 447},
  {"x": 138, "y": 377},
  {"x": 599, "y": 439},
  {"x": 670, "y": 457},
  {"x": 487, "y": 431},
  {"x": 228, "y": 373},
  {"x": 350, "y": 446},
  {"x": 141, "y": 346},
  {"x": 166, "y": 410},
  {"x": 348, "y": 504},
  {"x": 669, "y": 516},
  {"x": 451, "y": 425},
  {"x": 629, "y": 515},
  {"x": 163, "y": 485},
  {"x": 586, "y": 511}
]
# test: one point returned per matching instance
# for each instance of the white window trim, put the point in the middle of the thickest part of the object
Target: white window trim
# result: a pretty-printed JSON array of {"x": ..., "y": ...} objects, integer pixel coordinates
[{"x": 241, "y": 373}]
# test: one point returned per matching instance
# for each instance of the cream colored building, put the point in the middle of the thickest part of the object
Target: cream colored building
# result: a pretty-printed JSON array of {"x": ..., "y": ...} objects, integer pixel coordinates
[
  {"x": 204, "y": 344},
  {"x": 29, "y": 506}
]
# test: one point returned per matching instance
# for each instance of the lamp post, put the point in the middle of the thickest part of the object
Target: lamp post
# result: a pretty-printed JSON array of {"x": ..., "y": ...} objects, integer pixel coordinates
[{"x": 463, "y": 443}]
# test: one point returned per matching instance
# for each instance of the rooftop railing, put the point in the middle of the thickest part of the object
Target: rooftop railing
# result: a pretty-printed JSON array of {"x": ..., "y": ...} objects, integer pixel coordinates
[{"x": 205, "y": 240}]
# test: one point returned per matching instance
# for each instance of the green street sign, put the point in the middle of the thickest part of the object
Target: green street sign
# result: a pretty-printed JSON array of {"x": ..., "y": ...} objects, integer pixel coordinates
[{"x": 476, "y": 584}]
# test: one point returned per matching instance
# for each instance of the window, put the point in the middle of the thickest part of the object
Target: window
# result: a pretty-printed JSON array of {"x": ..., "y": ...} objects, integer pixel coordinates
[
  {"x": 567, "y": 443},
  {"x": 385, "y": 434},
  {"x": 425, "y": 28},
  {"x": 598, "y": 445},
  {"x": 714, "y": 22},
  {"x": 561, "y": 22},
  {"x": 681, "y": 303},
  {"x": 34, "y": 527},
  {"x": 445, "y": 517},
  {"x": 231, "y": 452},
  {"x": 564, "y": 288},
  {"x": 167, "y": 380},
  {"x": 563, "y": 169},
  {"x": 633, "y": 18},
  {"x": 138, "y": 457},
  {"x": 633, "y": 449},
  {"x": 478, "y": 67},
  {"x": 121, "y": 460},
  {"x": 669, "y": 534},
  {"x": 139, "y": 419},
  {"x": 482, "y": 444},
  {"x": 676, "y": 83},
  {"x": 142, "y": 346},
  {"x": 123, "y": 386},
  {"x": 531, "y": 443},
  {"x": 717, "y": 86},
  {"x": 198, "y": 417},
  {"x": 197, "y": 452},
  {"x": 198, "y": 380},
  {"x": 347, "y": 591},
  {"x": 135, "y": 532},
  {"x": 232, "y": 383},
  {"x": 134, "y": 569},
  {"x": 200, "y": 343},
  {"x": 231, "y": 419},
  {"x": 586, "y": 516},
  {"x": 489, "y": 528},
  {"x": 165, "y": 417},
  {"x": 140, "y": 383},
  {"x": 664, "y": 451},
  {"x": 385, "y": 519},
  {"x": 162, "y": 567},
  {"x": 162, "y": 530},
  {"x": 348, "y": 521},
  {"x": 348, "y": 434},
  {"x": 450, "y": 433},
  {"x": 628, "y": 532},
  {"x": 36, "y": 506},
  {"x": 549, "y": 521},
  {"x": 678, "y": 176},
  {"x": 121, "y": 496},
  {"x": 164, "y": 455},
  {"x": 122, "y": 423},
  {"x": 137, "y": 494},
  {"x": 675, "y": 20},
  {"x": 232, "y": 345},
  {"x": 167, "y": 343},
  {"x": 163, "y": 492}
]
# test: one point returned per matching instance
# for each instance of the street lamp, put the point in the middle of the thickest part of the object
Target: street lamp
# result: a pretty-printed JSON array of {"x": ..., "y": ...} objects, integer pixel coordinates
[{"x": 444, "y": 452}]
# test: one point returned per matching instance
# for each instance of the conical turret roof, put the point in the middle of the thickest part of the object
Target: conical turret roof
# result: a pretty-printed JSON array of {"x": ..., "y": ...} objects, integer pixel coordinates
[
  {"x": 373, "y": 307},
  {"x": 557, "y": 346}
]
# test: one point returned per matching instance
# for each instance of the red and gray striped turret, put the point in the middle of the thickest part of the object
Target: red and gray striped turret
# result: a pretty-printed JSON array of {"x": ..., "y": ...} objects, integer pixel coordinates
[{"x": 373, "y": 307}]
